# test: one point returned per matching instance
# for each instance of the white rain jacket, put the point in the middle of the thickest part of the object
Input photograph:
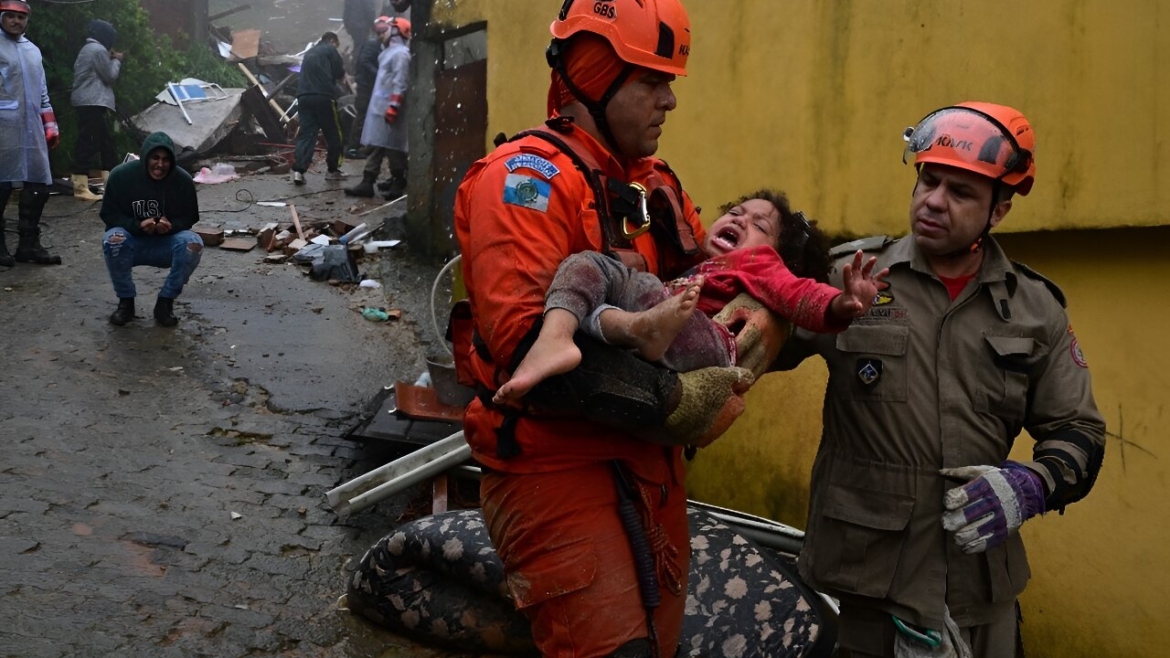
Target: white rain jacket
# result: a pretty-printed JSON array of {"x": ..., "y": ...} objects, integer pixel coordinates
[
  {"x": 24, "y": 156},
  {"x": 393, "y": 78}
]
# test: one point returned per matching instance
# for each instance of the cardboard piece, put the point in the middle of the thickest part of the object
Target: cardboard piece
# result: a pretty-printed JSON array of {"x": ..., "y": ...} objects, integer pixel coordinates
[
  {"x": 239, "y": 244},
  {"x": 245, "y": 44}
]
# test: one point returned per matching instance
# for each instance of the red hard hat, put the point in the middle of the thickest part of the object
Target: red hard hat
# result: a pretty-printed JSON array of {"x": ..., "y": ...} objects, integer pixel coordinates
[
  {"x": 655, "y": 34},
  {"x": 993, "y": 140},
  {"x": 15, "y": 5},
  {"x": 381, "y": 24},
  {"x": 402, "y": 25}
]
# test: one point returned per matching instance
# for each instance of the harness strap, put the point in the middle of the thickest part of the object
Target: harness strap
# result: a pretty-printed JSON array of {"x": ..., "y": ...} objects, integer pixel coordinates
[
  {"x": 664, "y": 200},
  {"x": 644, "y": 563}
]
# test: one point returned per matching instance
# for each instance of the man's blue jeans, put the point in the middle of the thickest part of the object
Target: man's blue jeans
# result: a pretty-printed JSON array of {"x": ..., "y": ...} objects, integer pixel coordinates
[{"x": 179, "y": 251}]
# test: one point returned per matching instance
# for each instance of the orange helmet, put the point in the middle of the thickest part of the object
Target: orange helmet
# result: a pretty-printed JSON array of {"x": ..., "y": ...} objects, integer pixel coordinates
[
  {"x": 993, "y": 140},
  {"x": 15, "y": 5},
  {"x": 402, "y": 25},
  {"x": 655, "y": 34}
]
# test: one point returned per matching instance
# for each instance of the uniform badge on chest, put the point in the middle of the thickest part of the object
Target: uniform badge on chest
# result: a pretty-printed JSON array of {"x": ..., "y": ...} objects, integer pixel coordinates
[{"x": 869, "y": 371}]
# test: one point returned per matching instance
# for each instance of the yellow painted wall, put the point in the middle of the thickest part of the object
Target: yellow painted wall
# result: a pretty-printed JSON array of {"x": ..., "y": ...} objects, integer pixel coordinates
[{"x": 812, "y": 97}]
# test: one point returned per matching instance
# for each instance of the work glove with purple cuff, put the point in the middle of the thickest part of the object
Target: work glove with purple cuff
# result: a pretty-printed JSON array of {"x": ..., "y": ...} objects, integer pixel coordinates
[{"x": 993, "y": 504}]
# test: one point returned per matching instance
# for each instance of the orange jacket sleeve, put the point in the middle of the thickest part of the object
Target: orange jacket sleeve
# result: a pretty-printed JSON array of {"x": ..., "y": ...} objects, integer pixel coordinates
[{"x": 511, "y": 251}]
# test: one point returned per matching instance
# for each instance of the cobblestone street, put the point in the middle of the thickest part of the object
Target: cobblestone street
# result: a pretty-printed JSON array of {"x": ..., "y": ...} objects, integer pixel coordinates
[{"x": 162, "y": 490}]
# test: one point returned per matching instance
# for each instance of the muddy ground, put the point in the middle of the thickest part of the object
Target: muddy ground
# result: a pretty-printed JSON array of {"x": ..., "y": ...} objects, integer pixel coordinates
[{"x": 162, "y": 490}]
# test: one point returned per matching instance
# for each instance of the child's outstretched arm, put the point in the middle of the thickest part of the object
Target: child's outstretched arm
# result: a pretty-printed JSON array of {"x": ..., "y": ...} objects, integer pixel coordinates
[{"x": 860, "y": 286}]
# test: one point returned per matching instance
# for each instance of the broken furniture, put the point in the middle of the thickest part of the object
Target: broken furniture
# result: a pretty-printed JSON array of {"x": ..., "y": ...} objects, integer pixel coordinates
[{"x": 199, "y": 125}]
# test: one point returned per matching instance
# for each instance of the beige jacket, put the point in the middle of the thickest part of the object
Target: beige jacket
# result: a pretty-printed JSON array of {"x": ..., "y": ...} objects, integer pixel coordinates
[{"x": 921, "y": 383}]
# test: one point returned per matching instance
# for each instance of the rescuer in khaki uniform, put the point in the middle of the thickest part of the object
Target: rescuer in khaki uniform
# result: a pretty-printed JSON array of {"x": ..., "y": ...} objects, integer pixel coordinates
[{"x": 915, "y": 506}]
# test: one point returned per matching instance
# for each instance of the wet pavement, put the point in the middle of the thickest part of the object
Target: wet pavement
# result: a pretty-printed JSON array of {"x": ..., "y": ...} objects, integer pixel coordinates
[{"x": 162, "y": 490}]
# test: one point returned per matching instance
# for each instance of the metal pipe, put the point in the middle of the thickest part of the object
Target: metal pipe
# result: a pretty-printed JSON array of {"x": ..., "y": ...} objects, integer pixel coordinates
[{"x": 400, "y": 474}]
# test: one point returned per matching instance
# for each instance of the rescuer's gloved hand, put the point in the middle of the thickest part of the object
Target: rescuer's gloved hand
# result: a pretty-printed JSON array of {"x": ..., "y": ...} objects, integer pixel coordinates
[
  {"x": 759, "y": 334},
  {"x": 710, "y": 400},
  {"x": 995, "y": 503},
  {"x": 391, "y": 114},
  {"x": 52, "y": 131}
]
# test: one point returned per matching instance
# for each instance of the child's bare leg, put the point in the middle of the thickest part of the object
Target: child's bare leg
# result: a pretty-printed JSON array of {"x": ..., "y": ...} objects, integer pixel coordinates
[
  {"x": 553, "y": 353},
  {"x": 653, "y": 330}
]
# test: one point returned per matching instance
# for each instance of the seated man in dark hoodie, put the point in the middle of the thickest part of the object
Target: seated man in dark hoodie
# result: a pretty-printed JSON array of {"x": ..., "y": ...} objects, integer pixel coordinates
[{"x": 149, "y": 208}]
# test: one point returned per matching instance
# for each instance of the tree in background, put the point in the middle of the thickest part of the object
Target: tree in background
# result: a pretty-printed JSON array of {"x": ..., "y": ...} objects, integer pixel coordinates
[{"x": 151, "y": 62}]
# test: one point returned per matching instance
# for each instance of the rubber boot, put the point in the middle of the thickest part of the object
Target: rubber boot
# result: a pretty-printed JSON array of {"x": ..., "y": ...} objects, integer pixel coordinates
[
  {"x": 6, "y": 259},
  {"x": 396, "y": 189},
  {"x": 81, "y": 189},
  {"x": 364, "y": 188},
  {"x": 124, "y": 313},
  {"x": 164, "y": 312},
  {"x": 29, "y": 249},
  {"x": 105, "y": 176}
]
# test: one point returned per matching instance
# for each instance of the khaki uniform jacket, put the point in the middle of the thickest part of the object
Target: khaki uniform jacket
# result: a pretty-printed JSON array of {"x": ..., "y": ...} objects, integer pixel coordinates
[{"x": 922, "y": 383}]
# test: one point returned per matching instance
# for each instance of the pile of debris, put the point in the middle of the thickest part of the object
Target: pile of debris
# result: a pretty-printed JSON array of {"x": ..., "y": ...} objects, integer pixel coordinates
[
  {"x": 331, "y": 249},
  {"x": 206, "y": 119}
]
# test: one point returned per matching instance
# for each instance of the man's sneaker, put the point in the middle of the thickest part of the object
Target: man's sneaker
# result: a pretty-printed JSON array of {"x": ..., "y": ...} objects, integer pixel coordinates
[
  {"x": 336, "y": 174},
  {"x": 298, "y": 178}
]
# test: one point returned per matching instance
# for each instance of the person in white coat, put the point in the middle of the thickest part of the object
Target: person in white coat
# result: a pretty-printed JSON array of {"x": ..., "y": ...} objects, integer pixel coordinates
[
  {"x": 385, "y": 128},
  {"x": 28, "y": 129}
]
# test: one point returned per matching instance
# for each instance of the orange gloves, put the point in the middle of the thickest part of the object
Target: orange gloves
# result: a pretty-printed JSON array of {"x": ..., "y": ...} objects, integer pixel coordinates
[
  {"x": 392, "y": 111},
  {"x": 52, "y": 131}
]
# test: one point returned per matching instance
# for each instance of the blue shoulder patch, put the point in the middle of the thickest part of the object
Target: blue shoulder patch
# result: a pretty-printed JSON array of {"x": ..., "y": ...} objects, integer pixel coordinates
[
  {"x": 533, "y": 162},
  {"x": 527, "y": 192}
]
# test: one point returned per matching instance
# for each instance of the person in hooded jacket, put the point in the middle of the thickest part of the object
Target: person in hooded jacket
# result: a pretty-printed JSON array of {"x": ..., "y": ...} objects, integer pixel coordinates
[
  {"x": 384, "y": 130},
  {"x": 94, "y": 73},
  {"x": 28, "y": 129},
  {"x": 149, "y": 208}
]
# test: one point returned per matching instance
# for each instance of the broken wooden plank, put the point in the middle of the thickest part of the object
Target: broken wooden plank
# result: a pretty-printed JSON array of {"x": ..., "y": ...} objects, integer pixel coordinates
[
  {"x": 251, "y": 78},
  {"x": 212, "y": 236},
  {"x": 254, "y": 102},
  {"x": 238, "y": 244},
  {"x": 296, "y": 221}
]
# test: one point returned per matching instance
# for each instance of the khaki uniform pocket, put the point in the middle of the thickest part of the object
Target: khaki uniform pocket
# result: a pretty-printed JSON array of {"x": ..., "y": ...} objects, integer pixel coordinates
[
  {"x": 863, "y": 347},
  {"x": 1005, "y": 378},
  {"x": 861, "y": 538}
]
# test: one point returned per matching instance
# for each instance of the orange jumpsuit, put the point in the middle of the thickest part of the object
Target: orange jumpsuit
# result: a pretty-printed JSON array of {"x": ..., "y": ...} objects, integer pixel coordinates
[{"x": 552, "y": 508}]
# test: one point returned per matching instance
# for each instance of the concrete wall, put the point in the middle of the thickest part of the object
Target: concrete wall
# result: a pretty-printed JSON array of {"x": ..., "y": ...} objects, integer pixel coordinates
[{"x": 812, "y": 97}]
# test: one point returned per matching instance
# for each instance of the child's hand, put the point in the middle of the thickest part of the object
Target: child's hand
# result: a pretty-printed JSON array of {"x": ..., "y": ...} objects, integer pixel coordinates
[{"x": 860, "y": 287}]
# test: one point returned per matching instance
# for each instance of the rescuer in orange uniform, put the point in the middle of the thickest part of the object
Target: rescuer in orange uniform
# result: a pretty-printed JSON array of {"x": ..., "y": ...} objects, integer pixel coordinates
[{"x": 553, "y": 487}]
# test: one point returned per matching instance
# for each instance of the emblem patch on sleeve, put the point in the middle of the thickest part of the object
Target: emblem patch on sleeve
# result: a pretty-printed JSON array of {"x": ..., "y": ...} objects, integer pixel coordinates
[
  {"x": 1074, "y": 350},
  {"x": 533, "y": 162},
  {"x": 527, "y": 192}
]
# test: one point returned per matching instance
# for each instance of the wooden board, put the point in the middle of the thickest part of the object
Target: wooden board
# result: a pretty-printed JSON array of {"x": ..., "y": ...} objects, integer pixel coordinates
[
  {"x": 239, "y": 244},
  {"x": 245, "y": 44}
]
